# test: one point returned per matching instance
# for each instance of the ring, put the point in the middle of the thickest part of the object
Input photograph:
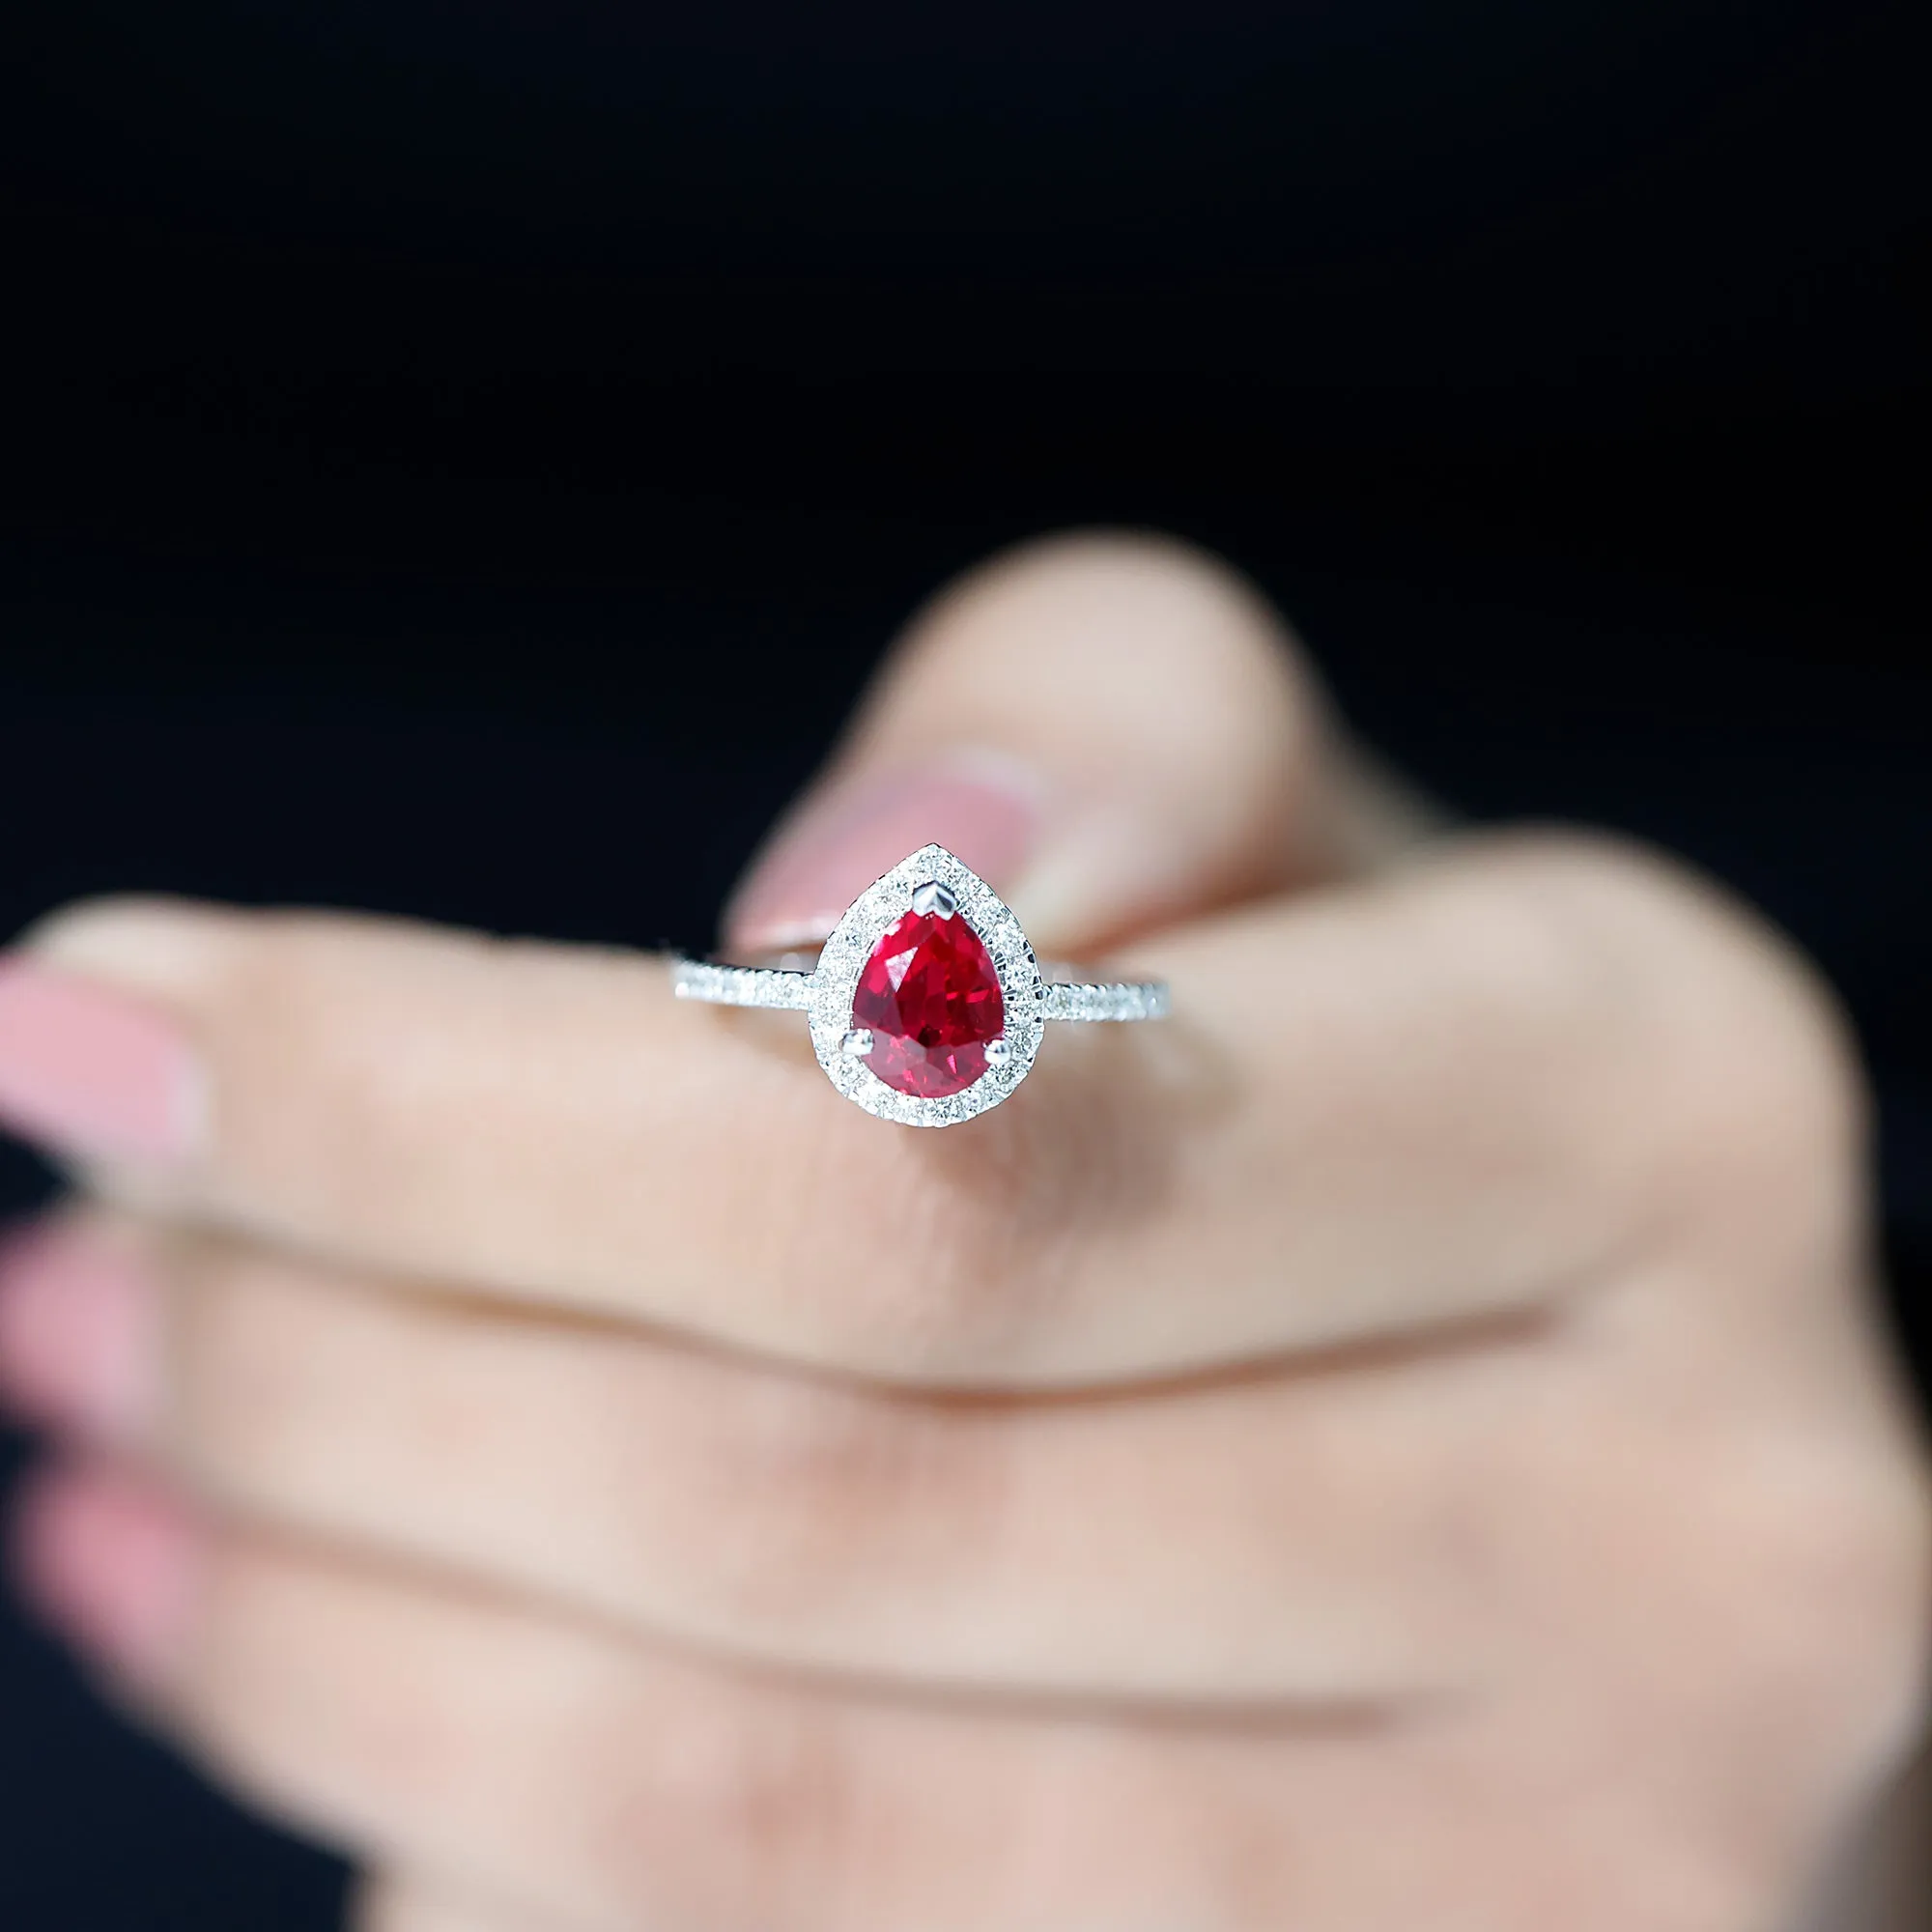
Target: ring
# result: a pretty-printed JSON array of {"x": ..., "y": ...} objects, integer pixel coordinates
[{"x": 927, "y": 1003}]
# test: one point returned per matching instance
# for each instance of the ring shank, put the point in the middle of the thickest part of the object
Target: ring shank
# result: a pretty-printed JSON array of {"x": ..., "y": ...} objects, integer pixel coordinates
[
  {"x": 785, "y": 989},
  {"x": 781, "y": 987},
  {"x": 1106, "y": 1000}
]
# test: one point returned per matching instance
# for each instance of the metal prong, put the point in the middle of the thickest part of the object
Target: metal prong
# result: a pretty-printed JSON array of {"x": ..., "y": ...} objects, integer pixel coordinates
[
  {"x": 997, "y": 1052},
  {"x": 857, "y": 1043},
  {"x": 933, "y": 899}
]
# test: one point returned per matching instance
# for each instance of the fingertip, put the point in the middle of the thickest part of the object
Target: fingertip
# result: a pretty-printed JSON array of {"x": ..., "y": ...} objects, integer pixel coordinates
[
  {"x": 92, "y": 1069},
  {"x": 78, "y": 1311},
  {"x": 111, "y": 1560},
  {"x": 151, "y": 942}
]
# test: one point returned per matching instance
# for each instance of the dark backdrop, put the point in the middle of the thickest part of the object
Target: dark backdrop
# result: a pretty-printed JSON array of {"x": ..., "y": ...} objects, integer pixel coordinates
[{"x": 433, "y": 434}]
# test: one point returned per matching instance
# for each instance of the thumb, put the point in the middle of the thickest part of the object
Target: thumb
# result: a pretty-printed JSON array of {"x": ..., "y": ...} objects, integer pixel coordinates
[{"x": 1114, "y": 732}]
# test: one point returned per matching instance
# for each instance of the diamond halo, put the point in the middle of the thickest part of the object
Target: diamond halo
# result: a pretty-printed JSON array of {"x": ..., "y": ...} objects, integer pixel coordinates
[{"x": 1023, "y": 987}]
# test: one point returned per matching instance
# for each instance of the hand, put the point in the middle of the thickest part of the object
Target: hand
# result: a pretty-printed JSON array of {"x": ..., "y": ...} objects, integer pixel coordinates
[{"x": 1403, "y": 1444}]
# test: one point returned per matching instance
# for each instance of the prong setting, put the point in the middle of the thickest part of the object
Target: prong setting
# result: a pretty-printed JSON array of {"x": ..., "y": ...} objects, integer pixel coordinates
[
  {"x": 857, "y": 1043},
  {"x": 934, "y": 900}
]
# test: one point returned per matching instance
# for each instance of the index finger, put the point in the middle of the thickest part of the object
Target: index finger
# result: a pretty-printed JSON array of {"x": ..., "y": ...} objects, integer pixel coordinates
[{"x": 1427, "y": 1097}]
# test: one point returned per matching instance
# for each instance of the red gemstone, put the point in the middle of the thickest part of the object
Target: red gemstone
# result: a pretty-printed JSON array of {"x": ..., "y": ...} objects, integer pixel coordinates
[{"x": 932, "y": 1001}]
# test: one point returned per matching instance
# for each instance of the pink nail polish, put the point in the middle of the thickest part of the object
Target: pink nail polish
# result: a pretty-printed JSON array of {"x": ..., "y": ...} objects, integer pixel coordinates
[
  {"x": 79, "y": 1341},
  {"x": 985, "y": 813},
  {"x": 113, "y": 1563},
  {"x": 91, "y": 1072}
]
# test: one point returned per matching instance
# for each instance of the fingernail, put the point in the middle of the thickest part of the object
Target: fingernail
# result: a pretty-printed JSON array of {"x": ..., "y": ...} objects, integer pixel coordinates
[
  {"x": 79, "y": 1347},
  {"x": 113, "y": 1563},
  {"x": 985, "y": 809},
  {"x": 91, "y": 1072}
]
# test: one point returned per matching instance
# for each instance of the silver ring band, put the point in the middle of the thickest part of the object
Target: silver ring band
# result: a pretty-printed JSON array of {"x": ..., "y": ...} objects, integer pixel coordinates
[{"x": 791, "y": 990}]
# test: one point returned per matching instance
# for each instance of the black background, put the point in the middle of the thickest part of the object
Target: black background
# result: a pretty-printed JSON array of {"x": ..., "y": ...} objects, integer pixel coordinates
[{"x": 434, "y": 435}]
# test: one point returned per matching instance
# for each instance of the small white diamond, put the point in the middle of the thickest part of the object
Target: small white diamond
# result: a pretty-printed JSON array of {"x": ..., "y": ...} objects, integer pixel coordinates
[
  {"x": 857, "y": 1043},
  {"x": 933, "y": 898}
]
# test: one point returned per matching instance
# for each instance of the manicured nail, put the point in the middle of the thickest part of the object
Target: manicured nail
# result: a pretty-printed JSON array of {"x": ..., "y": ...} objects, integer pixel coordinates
[
  {"x": 79, "y": 1346},
  {"x": 985, "y": 810},
  {"x": 113, "y": 1563},
  {"x": 91, "y": 1072}
]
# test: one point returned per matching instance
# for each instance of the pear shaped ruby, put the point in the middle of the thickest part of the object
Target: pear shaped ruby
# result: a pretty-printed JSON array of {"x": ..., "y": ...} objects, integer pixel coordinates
[{"x": 932, "y": 1001}]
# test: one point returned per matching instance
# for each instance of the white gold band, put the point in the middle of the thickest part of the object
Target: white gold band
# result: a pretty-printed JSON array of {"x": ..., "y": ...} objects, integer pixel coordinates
[
  {"x": 775, "y": 986},
  {"x": 1107, "y": 1000},
  {"x": 786, "y": 990}
]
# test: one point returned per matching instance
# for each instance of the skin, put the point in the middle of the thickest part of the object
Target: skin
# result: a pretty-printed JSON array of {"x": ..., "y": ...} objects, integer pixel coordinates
[{"x": 1406, "y": 1443}]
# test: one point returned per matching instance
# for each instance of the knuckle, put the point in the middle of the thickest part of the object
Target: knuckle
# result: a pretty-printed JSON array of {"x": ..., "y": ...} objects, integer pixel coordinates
[
  {"x": 1808, "y": 1559},
  {"x": 740, "y": 1813},
  {"x": 1748, "y": 1601},
  {"x": 1767, "y": 1088},
  {"x": 1730, "y": 1053},
  {"x": 1843, "y": 1547},
  {"x": 848, "y": 1485}
]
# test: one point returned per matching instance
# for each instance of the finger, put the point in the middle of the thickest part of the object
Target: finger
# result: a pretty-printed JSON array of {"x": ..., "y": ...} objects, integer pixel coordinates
[
  {"x": 1087, "y": 1549},
  {"x": 614, "y": 1786},
  {"x": 1092, "y": 1549},
  {"x": 1114, "y": 731},
  {"x": 1457, "y": 1091}
]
